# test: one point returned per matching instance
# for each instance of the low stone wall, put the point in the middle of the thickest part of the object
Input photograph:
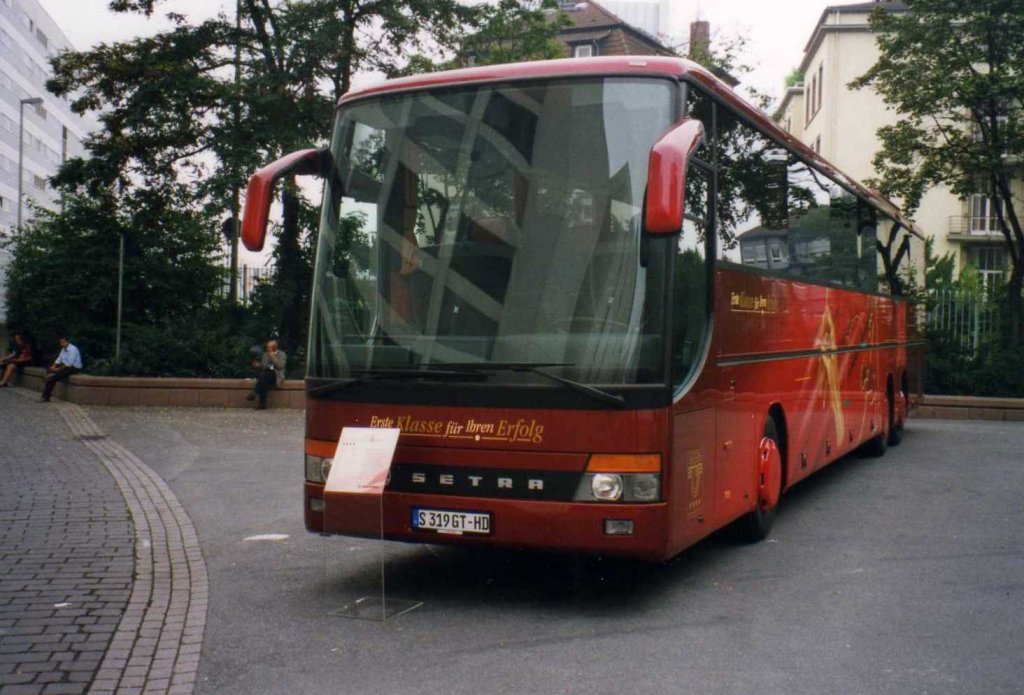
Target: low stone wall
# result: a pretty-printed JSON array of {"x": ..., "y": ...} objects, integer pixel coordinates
[
  {"x": 230, "y": 393},
  {"x": 107, "y": 390},
  {"x": 970, "y": 408}
]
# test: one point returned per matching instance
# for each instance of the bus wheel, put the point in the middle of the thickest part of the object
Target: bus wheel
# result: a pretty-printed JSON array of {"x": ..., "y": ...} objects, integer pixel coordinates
[
  {"x": 877, "y": 445},
  {"x": 755, "y": 526},
  {"x": 897, "y": 416}
]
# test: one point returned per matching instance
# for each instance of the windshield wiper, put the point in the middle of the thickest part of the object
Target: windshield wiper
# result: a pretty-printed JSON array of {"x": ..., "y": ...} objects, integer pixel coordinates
[
  {"x": 475, "y": 369},
  {"x": 535, "y": 368},
  {"x": 410, "y": 374}
]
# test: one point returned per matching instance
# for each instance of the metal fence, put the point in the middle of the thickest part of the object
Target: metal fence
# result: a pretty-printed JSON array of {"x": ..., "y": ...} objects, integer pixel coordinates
[
  {"x": 249, "y": 277},
  {"x": 967, "y": 320}
]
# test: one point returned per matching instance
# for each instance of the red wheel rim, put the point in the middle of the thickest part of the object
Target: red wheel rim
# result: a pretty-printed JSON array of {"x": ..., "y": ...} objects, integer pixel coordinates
[{"x": 769, "y": 473}]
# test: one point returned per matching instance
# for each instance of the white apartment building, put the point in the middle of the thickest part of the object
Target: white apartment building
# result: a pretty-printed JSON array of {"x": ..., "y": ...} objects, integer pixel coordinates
[
  {"x": 52, "y": 133},
  {"x": 841, "y": 124}
]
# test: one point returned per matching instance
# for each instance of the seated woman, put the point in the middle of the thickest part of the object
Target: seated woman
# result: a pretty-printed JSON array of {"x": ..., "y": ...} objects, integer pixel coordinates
[{"x": 19, "y": 358}]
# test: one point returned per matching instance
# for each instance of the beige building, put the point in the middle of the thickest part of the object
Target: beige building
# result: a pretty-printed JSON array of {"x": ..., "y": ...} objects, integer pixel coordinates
[{"x": 841, "y": 124}]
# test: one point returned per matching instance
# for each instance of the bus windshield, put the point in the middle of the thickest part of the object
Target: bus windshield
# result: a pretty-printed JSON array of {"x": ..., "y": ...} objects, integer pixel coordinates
[{"x": 493, "y": 225}]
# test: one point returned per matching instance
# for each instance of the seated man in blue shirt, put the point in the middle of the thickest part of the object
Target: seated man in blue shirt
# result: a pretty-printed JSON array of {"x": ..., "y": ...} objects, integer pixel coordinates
[{"x": 68, "y": 362}]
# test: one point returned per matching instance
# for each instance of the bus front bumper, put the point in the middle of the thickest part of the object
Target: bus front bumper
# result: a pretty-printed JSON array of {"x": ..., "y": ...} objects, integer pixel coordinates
[{"x": 564, "y": 527}]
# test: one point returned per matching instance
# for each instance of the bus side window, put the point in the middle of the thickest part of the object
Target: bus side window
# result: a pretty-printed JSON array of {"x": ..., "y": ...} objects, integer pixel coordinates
[
  {"x": 749, "y": 194},
  {"x": 691, "y": 277},
  {"x": 900, "y": 255},
  {"x": 827, "y": 228},
  {"x": 700, "y": 107},
  {"x": 867, "y": 248}
]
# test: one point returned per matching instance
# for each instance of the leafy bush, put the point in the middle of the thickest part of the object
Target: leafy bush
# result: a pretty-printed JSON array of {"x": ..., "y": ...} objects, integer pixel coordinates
[
  {"x": 194, "y": 349},
  {"x": 63, "y": 279},
  {"x": 984, "y": 365},
  {"x": 998, "y": 371}
]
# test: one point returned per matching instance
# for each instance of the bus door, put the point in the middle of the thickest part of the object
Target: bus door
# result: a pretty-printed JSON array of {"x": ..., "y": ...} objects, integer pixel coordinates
[{"x": 736, "y": 440}]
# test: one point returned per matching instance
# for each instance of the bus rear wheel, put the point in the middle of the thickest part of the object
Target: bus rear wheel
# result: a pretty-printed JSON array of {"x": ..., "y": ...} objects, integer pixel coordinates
[
  {"x": 876, "y": 446},
  {"x": 897, "y": 416},
  {"x": 756, "y": 525}
]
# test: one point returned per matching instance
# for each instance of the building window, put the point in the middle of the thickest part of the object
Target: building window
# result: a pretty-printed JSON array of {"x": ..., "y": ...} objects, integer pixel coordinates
[
  {"x": 812, "y": 104},
  {"x": 821, "y": 85},
  {"x": 41, "y": 37},
  {"x": 991, "y": 264},
  {"x": 584, "y": 50},
  {"x": 817, "y": 144},
  {"x": 983, "y": 218},
  {"x": 809, "y": 101},
  {"x": 40, "y": 182}
]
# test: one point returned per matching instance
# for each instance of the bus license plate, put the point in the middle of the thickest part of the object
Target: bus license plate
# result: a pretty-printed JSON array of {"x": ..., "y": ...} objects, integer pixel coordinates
[{"x": 452, "y": 522}]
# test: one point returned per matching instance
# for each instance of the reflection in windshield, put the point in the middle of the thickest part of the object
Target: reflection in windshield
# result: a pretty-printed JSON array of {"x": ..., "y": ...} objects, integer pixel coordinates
[{"x": 493, "y": 225}]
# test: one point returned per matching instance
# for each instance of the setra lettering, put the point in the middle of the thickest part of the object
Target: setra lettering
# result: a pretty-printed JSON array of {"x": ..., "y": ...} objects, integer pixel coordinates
[{"x": 475, "y": 481}]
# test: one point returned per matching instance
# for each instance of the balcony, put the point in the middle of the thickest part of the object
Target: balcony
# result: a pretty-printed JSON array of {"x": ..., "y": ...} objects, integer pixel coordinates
[{"x": 969, "y": 228}]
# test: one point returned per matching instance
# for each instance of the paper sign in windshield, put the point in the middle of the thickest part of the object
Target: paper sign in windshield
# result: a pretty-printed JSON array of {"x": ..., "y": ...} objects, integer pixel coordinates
[{"x": 362, "y": 462}]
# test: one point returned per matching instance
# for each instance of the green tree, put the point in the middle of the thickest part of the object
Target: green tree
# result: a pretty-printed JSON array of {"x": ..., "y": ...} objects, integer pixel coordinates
[
  {"x": 186, "y": 115},
  {"x": 507, "y": 31},
  {"x": 63, "y": 276},
  {"x": 512, "y": 31},
  {"x": 175, "y": 115},
  {"x": 955, "y": 73}
]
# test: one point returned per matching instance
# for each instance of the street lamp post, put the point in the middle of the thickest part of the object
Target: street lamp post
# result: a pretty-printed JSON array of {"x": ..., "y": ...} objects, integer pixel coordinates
[{"x": 31, "y": 101}]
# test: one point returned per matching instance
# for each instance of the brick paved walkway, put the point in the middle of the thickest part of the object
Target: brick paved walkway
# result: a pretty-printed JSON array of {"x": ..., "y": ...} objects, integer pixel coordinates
[{"x": 80, "y": 516}]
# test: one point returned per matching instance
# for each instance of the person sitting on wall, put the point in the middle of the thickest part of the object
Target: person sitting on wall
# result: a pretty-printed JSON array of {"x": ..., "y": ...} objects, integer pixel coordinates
[
  {"x": 68, "y": 362},
  {"x": 271, "y": 373},
  {"x": 21, "y": 356}
]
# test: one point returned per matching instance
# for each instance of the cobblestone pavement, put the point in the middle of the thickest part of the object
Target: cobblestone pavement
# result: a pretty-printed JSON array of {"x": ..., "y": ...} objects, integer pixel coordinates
[{"x": 80, "y": 518}]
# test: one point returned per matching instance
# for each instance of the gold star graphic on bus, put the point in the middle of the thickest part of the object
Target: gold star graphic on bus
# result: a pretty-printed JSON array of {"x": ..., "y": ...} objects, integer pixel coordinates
[{"x": 828, "y": 375}]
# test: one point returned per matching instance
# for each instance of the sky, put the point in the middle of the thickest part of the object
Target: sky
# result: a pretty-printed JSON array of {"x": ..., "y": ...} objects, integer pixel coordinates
[{"x": 776, "y": 32}]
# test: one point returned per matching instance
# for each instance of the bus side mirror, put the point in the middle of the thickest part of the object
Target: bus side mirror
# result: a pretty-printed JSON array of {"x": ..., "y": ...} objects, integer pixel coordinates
[
  {"x": 260, "y": 190},
  {"x": 666, "y": 177}
]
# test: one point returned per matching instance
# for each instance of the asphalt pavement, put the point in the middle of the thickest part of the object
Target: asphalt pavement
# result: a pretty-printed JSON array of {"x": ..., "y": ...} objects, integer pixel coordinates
[
  {"x": 896, "y": 575},
  {"x": 901, "y": 574}
]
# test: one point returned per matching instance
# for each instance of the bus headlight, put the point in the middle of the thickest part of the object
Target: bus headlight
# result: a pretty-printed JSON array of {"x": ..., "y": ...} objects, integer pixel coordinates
[
  {"x": 621, "y": 478},
  {"x": 317, "y": 468},
  {"x": 606, "y": 486},
  {"x": 644, "y": 487},
  {"x": 619, "y": 487}
]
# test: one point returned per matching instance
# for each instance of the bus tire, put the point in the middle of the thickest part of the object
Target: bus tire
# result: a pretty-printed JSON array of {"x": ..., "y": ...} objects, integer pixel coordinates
[
  {"x": 876, "y": 446},
  {"x": 895, "y": 435},
  {"x": 895, "y": 425},
  {"x": 755, "y": 526}
]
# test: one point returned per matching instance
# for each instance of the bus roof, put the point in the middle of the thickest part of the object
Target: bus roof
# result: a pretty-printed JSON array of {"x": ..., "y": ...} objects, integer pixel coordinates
[{"x": 646, "y": 66}]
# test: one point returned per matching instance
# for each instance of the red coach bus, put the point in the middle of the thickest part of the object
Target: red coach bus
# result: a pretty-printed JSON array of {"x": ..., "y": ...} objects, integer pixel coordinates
[{"x": 611, "y": 307}]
